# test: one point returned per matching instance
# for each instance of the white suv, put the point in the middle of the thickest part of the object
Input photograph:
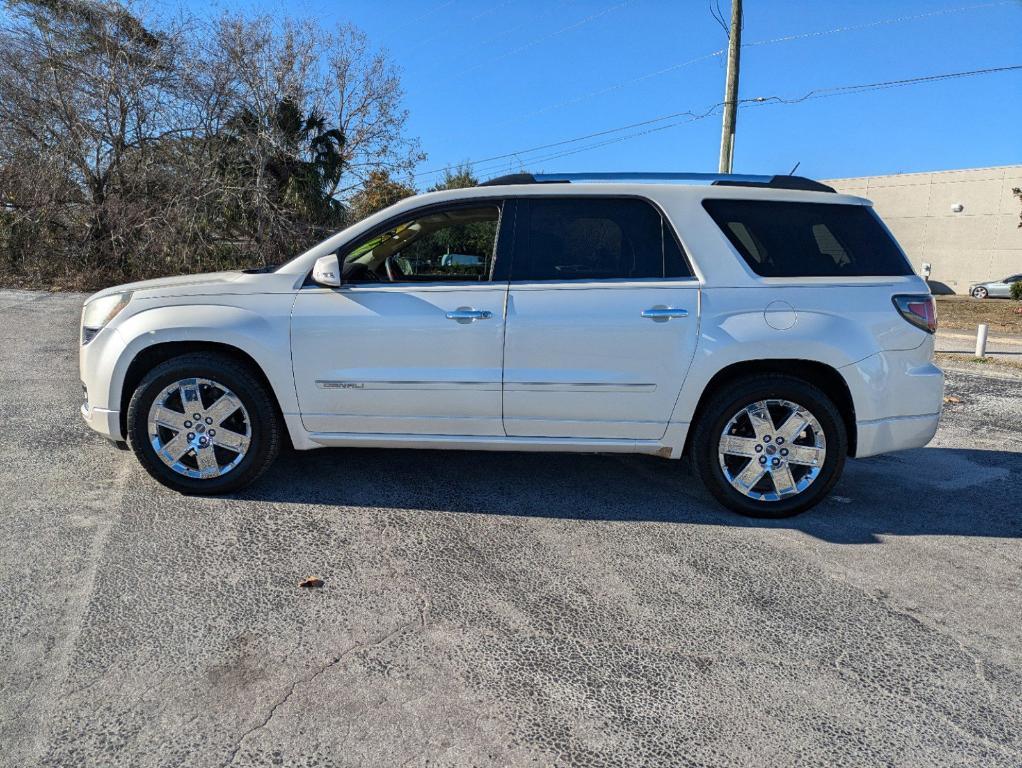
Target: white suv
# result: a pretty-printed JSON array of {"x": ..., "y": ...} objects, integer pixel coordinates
[{"x": 765, "y": 326}]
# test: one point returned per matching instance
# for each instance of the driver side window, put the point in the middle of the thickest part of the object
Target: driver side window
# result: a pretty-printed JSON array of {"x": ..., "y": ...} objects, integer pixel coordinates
[{"x": 456, "y": 244}]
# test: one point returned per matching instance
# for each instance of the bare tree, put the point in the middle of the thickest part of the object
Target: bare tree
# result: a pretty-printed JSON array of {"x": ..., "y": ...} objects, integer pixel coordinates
[
  {"x": 131, "y": 150},
  {"x": 367, "y": 94},
  {"x": 307, "y": 111},
  {"x": 88, "y": 92}
]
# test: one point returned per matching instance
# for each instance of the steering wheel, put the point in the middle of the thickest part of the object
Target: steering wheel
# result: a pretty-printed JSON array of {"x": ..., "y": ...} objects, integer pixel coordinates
[{"x": 394, "y": 271}]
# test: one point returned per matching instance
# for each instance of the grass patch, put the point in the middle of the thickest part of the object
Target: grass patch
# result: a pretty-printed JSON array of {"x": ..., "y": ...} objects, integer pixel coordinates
[
  {"x": 964, "y": 313},
  {"x": 966, "y": 362}
]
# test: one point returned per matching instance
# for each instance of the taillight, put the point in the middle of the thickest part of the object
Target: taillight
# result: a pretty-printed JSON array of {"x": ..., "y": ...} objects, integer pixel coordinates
[{"x": 918, "y": 309}]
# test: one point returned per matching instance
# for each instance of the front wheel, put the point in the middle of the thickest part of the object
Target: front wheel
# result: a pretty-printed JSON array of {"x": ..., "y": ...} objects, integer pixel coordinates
[
  {"x": 769, "y": 446},
  {"x": 980, "y": 293},
  {"x": 203, "y": 424}
]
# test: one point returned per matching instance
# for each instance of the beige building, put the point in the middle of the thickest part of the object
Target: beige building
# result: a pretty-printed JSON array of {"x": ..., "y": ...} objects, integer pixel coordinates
[{"x": 964, "y": 224}]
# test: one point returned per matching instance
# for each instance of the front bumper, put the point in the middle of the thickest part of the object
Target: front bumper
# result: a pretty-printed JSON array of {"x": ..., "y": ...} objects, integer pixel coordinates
[
  {"x": 96, "y": 365},
  {"x": 106, "y": 422}
]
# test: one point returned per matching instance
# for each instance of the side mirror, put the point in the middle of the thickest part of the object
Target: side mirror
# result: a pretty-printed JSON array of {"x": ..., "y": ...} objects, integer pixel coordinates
[{"x": 327, "y": 271}]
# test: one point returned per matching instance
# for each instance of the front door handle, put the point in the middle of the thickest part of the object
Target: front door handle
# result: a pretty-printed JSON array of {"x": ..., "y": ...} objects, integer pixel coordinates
[
  {"x": 468, "y": 315},
  {"x": 662, "y": 314}
]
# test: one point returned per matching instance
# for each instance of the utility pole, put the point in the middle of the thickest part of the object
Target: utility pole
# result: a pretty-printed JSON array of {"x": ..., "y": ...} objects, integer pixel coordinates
[{"x": 734, "y": 46}]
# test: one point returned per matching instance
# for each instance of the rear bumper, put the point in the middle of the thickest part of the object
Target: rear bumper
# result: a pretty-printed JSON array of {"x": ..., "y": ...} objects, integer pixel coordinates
[
  {"x": 897, "y": 396},
  {"x": 894, "y": 434},
  {"x": 107, "y": 423},
  {"x": 901, "y": 382}
]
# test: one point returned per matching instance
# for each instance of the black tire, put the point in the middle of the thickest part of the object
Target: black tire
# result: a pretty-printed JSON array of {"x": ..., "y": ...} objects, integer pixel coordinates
[
  {"x": 266, "y": 430},
  {"x": 720, "y": 409},
  {"x": 980, "y": 293}
]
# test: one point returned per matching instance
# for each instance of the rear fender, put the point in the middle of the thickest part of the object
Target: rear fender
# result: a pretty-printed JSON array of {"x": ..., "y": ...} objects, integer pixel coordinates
[{"x": 742, "y": 336}]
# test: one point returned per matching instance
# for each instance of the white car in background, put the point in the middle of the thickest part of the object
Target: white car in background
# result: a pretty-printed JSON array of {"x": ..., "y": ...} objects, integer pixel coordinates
[{"x": 764, "y": 326}]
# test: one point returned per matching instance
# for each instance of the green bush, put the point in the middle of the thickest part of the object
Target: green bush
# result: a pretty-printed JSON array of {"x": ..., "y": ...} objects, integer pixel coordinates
[{"x": 1016, "y": 290}]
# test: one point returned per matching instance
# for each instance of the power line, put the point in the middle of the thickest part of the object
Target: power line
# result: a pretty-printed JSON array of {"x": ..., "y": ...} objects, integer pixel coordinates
[
  {"x": 617, "y": 86},
  {"x": 878, "y": 23},
  {"x": 543, "y": 38},
  {"x": 607, "y": 142},
  {"x": 694, "y": 116},
  {"x": 430, "y": 12},
  {"x": 560, "y": 143},
  {"x": 486, "y": 42},
  {"x": 815, "y": 93},
  {"x": 424, "y": 41},
  {"x": 718, "y": 16},
  {"x": 845, "y": 89},
  {"x": 769, "y": 41},
  {"x": 491, "y": 10}
]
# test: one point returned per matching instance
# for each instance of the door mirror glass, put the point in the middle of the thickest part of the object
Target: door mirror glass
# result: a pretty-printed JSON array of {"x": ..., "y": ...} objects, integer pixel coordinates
[{"x": 327, "y": 272}]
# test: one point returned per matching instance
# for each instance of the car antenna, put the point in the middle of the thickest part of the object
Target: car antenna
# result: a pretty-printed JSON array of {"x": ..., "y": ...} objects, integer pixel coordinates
[{"x": 792, "y": 171}]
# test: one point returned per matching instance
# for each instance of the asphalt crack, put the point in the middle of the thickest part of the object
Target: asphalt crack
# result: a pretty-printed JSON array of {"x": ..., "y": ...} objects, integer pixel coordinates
[{"x": 323, "y": 668}]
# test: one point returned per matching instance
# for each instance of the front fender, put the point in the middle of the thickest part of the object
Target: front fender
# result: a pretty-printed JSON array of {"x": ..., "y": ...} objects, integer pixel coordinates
[{"x": 263, "y": 334}]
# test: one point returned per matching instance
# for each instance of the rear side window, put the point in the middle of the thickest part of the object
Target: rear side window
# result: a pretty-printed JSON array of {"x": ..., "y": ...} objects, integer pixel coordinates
[
  {"x": 779, "y": 239},
  {"x": 592, "y": 238}
]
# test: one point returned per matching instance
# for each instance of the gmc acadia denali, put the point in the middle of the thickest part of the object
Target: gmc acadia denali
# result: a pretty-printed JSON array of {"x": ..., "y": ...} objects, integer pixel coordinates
[{"x": 765, "y": 327}]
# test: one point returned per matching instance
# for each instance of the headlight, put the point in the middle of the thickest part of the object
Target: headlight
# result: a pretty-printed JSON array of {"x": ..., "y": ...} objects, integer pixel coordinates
[{"x": 98, "y": 312}]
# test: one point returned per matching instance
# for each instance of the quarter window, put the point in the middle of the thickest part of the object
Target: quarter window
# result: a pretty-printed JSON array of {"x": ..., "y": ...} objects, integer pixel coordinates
[
  {"x": 593, "y": 238},
  {"x": 779, "y": 239}
]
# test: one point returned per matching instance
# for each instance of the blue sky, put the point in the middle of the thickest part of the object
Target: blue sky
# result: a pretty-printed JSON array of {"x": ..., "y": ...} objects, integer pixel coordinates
[{"x": 490, "y": 78}]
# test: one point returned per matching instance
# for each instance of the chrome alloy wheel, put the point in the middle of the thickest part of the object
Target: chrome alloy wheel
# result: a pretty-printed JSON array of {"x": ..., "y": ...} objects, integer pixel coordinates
[
  {"x": 199, "y": 428},
  {"x": 772, "y": 450}
]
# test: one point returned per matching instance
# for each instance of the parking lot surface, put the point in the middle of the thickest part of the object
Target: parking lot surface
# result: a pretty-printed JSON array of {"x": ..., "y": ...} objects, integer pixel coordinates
[
  {"x": 999, "y": 345},
  {"x": 498, "y": 609}
]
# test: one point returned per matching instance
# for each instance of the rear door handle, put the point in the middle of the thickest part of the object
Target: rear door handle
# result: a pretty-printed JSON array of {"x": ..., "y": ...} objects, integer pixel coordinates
[
  {"x": 468, "y": 315},
  {"x": 663, "y": 314}
]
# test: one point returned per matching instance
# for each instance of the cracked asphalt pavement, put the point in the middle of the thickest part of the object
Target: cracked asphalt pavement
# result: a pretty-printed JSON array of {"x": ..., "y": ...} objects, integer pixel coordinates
[{"x": 498, "y": 609}]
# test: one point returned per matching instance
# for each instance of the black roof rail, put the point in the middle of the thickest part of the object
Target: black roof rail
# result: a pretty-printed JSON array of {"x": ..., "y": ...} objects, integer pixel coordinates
[
  {"x": 720, "y": 179},
  {"x": 780, "y": 182},
  {"x": 511, "y": 178}
]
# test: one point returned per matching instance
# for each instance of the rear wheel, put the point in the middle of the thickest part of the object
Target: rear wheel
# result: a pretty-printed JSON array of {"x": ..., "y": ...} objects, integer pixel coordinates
[
  {"x": 769, "y": 446},
  {"x": 203, "y": 424}
]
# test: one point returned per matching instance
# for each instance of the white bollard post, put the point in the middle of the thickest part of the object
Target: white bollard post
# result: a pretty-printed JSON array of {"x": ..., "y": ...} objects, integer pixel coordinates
[{"x": 981, "y": 340}]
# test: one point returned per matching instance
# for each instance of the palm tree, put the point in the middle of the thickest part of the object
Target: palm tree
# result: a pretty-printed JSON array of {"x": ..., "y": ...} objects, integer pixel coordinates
[{"x": 290, "y": 163}]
